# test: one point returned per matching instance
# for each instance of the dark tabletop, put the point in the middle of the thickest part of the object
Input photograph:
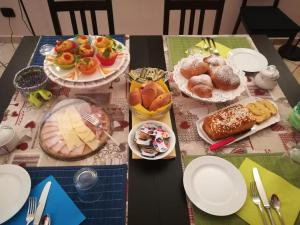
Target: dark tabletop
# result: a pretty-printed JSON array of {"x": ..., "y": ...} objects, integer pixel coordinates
[{"x": 155, "y": 191}]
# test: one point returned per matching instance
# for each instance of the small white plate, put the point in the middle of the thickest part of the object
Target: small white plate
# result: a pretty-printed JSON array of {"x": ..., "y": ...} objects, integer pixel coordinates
[
  {"x": 254, "y": 129},
  {"x": 15, "y": 187},
  {"x": 247, "y": 60},
  {"x": 134, "y": 148},
  {"x": 214, "y": 185}
]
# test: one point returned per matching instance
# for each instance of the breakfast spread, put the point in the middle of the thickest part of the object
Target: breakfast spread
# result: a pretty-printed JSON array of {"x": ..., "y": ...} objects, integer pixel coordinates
[
  {"x": 151, "y": 95},
  {"x": 65, "y": 134},
  {"x": 152, "y": 140}
]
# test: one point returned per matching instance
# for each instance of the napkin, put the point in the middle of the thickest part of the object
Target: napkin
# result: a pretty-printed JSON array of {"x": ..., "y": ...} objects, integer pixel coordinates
[
  {"x": 59, "y": 206},
  {"x": 288, "y": 194},
  {"x": 167, "y": 120},
  {"x": 223, "y": 50}
]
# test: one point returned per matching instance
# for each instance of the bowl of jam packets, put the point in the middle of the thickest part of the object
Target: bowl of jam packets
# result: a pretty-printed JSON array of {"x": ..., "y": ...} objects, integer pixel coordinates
[{"x": 151, "y": 140}]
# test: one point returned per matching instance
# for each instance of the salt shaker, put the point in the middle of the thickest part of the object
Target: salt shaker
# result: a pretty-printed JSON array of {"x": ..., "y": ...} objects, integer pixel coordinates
[{"x": 267, "y": 78}]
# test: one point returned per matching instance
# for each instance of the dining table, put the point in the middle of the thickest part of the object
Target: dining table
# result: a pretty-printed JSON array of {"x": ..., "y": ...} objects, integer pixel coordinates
[{"x": 155, "y": 192}]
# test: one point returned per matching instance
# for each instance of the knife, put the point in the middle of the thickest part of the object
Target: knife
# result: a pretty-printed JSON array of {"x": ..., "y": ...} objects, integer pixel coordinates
[
  {"x": 42, "y": 203},
  {"x": 262, "y": 193}
]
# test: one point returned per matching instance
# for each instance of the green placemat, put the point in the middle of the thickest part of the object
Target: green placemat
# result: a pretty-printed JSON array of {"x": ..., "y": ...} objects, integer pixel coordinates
[
  {"x": 177, "y": 45},
  {"x": 276, "y": 163}
]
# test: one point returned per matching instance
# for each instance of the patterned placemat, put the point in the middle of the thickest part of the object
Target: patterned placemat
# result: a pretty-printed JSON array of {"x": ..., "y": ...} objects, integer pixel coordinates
[
  {"x": 110, "y": 209},
  {"x": 38, "y": 59},
  {"x": 25, "y": 119},
  {"x": 277, "y": 138},
  {"x": 277, "y": 163}
]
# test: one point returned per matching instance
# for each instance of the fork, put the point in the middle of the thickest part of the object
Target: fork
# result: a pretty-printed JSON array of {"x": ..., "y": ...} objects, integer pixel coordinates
[
  {"x": 94, "y": 121},
  {"x": 257, "y": 201},
  {"x": 215, "y": 50},
  {"x": 32, "y": 205},
  {"x": 212, "y": 48}
]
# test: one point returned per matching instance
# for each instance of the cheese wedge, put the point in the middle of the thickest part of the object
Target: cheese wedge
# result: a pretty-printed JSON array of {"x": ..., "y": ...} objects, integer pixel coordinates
[
  {"x": 65, "y": 127},
  {"x": 82, "y": 131}
]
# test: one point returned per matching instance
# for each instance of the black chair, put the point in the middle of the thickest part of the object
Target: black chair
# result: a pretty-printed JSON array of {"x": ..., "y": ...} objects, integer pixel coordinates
[
  {"x": 81, "y": 6},
  {"x": 268, "y": 20},
  {"x": 193, "y": 5}
]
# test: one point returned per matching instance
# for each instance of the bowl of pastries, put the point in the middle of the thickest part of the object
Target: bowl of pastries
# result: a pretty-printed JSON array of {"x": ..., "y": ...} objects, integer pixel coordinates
[
  {"x": 149, "y": 100},
  {"x": 209, "y": 79},
  {"x": 151, "y": 140},
  {"x": 238, "y": 120}
]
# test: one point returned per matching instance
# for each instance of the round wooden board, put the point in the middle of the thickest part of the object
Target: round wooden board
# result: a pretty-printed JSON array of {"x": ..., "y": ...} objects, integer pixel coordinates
[{"x": 87, "y": 151}]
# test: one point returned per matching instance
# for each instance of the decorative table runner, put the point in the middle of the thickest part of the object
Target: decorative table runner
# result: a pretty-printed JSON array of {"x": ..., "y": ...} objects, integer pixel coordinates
[
  {"x": 280, "y": 165},
  {"x": 277, "y": 138},
  {"x": 110, "y": 209},
  {"x": 26, "y": 119}
]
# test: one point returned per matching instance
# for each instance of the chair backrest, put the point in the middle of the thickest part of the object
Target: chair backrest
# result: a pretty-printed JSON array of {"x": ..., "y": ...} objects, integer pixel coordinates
[
  {"x": 193, "y": 5},
  {"x": 275, "y": 3},
  {"x": 72, "y": 6}
]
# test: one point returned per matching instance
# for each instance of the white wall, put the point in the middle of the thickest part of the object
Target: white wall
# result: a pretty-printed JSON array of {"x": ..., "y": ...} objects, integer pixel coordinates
[{"x": 131, "y": 17}]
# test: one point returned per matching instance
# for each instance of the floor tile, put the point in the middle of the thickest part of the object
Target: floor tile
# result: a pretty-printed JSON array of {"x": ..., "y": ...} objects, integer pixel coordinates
[{"x": 297, "y": 74}]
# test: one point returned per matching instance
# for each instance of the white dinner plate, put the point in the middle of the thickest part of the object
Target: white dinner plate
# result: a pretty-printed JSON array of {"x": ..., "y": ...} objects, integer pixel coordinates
[
  {"x": 15, "y": 187},
  {"x": 247, "y": 60},
  {"x": 214, "y": 185}
]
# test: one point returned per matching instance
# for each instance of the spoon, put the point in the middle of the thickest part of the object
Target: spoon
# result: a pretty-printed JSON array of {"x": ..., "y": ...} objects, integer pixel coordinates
[
  {"x": 275, "y": 203},
  {"x": 46, "y": 220}
]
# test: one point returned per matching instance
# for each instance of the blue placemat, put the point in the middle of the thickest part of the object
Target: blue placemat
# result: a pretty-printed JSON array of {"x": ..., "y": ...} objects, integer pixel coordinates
[
  {"x": 110, "y": 209},
  {"x": 38, "y": 59}
]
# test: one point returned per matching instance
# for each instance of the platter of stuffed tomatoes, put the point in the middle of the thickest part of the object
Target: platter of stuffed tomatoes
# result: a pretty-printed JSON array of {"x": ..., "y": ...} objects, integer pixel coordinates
[{"x": 92, "y": 60}]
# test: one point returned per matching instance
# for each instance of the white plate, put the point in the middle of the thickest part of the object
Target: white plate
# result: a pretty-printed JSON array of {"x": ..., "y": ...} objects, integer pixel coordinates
[
  {"x": 98, "y": 75},
  {"x": 15, "y": 187},
  {"x": 255, "y": 128},
  {"x": 90, "y": 84},
  {"x": 247, "y": 60},
  {"x": 217, "y": 94},
  {"x": 214, "y": 185},
  {"x": 134, "y": 148}
]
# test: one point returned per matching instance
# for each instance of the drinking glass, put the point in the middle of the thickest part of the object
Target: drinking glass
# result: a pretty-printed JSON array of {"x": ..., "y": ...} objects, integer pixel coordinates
[
  {"x": 46, "y": 49},
  {"x": 88, "y": 185},
  {"x": 294, "y": 153}
]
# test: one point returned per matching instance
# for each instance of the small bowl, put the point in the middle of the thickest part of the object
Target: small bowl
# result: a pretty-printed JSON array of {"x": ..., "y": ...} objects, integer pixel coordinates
[
  {"x": 30, "y": 79},
  {"x": 134, "y": 148}
]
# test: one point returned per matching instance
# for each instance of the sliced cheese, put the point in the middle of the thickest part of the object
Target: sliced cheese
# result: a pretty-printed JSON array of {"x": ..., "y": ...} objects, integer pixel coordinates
[
  {"x": 82, "y": 131},
  {"x": 65, "y": 127}
]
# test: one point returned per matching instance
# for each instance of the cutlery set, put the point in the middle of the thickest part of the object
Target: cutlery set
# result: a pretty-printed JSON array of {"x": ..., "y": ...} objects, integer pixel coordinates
[
  {"x": 259, "y": 197},
  {"x": 35, "y": 210},
  {"x": 209, "y": 45}
]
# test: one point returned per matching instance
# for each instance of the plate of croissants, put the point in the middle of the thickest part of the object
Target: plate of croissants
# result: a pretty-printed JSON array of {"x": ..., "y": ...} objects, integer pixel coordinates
[{"x": 209, "y": 79}]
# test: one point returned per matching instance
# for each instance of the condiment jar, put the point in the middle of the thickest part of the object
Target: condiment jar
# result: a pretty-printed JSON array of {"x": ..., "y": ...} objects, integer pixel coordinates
[{"x": 267, "y": 78}]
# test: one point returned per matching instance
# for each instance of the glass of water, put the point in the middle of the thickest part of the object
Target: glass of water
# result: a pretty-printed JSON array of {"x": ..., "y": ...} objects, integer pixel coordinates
[
  {"x": 88, "y": 185},
  {"x": 294, "y": 153},
  {"x": 46, "y": 49}
]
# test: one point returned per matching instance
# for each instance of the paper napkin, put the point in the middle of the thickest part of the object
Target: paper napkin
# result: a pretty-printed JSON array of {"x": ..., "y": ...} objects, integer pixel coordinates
[
  {"x": 59, "y": 206},
  {"x": 288, "y": 194}
]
